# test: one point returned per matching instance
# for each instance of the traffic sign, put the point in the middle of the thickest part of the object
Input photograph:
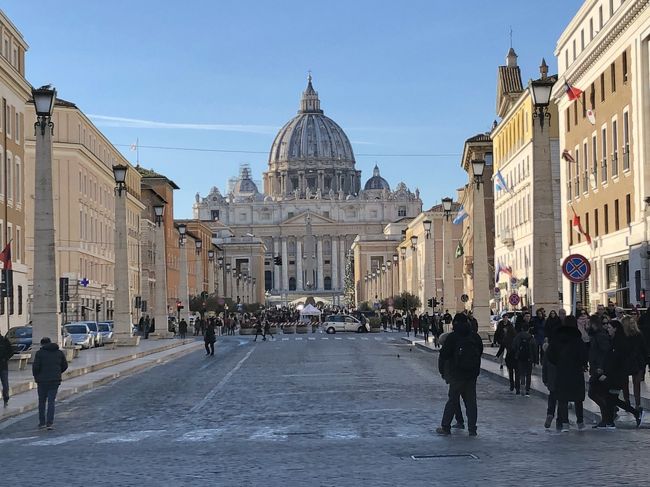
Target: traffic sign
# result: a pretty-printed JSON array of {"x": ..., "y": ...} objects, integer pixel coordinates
[
  {"x": 464, "y": 298},
  {"x": 576, "y": 268},
  {"x": 84, "y": 282},
  {"x": 513, "y": 281},
  {"x": 497, "y": 292},
  {"x": 514, "y": 299}
]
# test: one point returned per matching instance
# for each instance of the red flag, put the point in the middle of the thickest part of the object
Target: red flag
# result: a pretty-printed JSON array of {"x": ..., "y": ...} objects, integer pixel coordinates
[
  {"x": 5, "y": 256},
  {"x": 572, "y": 92},
  {"x": 578, "y": 226},
  {"x": 566, "y": 155}
]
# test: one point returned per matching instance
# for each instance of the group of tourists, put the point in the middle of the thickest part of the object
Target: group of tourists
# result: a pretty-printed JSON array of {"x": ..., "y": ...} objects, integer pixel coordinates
[{"x": 596, "y": 355}]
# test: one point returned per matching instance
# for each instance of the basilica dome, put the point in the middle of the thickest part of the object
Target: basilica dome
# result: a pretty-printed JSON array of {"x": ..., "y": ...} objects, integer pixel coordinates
[
  {"x": 376, "y": 181},
  {"x": 311, "y": 139}
]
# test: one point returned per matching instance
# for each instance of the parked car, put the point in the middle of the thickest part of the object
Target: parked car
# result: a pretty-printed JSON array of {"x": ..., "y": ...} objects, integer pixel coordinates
[
  {"x": 106, "y": 331},
  {"x": 80, "y": 334},
  {"x": 94, "y": 330},
  {"x": 335, "y": 323},
  {"x": 20, "y": 338}
]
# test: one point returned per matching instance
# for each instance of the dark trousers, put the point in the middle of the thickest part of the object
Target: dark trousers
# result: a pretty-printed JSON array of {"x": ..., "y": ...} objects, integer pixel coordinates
[
  {"x": 4, "y": 378},
  {"x": 523, "y": 373},
  {"x": 258, "y": 332},
  {"x": 551, "y": 403},
  {"x": 46, "y": 395},
  {"x": 466, "y": 389},
  {"x": 265, "y": 332},
  {"x": 563, "y": 412},
  {"x": 511, "y": 376},
  {"x": 598, "y": 392},
  {"x": 209, "y": 348}
]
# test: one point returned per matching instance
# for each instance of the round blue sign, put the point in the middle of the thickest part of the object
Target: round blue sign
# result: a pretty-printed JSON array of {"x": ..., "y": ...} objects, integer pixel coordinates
[{"x": 576, "y": 268}]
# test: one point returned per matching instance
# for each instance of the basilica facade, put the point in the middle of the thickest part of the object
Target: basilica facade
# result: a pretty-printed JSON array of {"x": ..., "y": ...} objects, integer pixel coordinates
[{"x": 312, "y": 207}]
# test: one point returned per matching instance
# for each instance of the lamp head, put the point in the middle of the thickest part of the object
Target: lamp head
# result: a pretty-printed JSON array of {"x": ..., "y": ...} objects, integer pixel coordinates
[{"x": 44, "y": 98}]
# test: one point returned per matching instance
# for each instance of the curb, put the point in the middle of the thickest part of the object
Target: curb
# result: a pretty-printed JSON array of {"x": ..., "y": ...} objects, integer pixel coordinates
[{"x": 65, "y": 393}]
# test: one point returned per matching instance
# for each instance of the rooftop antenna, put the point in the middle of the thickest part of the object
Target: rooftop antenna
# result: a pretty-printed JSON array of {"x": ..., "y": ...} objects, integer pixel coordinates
[{"x": 511, "y": 36}]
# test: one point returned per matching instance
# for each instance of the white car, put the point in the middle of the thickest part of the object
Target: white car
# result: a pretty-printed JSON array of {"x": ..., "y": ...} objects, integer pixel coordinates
[{"x": 335, "y": 323}]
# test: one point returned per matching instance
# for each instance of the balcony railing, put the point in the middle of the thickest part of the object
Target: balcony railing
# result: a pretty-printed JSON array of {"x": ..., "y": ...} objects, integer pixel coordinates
[{"x": 507, "y": 238}]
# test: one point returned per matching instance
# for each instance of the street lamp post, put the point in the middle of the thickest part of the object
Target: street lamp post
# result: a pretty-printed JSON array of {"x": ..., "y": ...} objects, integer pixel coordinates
[
  {"x": 198, "y": 265},
  {"x": 45, "y": 311},
  {"x": 544, "y": 279},
  {"x": 160, "y": 310},
  {"x": 122, "y": 314},
  {"x": 481, "y": 277},
  {"x": 211, "y": 271},
  {"x": 396, "y": 270},
  {"x": 448, "y": 277},
  {"x": 414, "y": 265},
  {"x": 183, "y": 291}
]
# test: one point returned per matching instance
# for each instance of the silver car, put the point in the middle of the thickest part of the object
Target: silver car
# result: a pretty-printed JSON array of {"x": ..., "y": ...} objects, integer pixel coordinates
[
  {"x": 80, "y": 334},
  {"x": 106, "y": 331},
  {"x": 335, "y": 323}
]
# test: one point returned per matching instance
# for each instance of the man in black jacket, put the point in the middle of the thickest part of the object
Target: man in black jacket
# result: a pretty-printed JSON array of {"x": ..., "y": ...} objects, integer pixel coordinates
[
  {"x": 6, "y": 351},
  {"x": 49, "y": 364},
  {"x": 461, "y": 352}
]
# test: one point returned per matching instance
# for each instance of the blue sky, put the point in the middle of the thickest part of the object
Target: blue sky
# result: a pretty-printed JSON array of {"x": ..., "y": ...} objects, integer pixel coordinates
[{"x": 411, "y": 77}]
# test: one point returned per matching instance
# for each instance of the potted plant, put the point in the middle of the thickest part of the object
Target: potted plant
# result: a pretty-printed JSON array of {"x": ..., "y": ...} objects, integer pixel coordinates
[
  {"x": 246, "y": 328},
  {"x": 375, "y": 325}
]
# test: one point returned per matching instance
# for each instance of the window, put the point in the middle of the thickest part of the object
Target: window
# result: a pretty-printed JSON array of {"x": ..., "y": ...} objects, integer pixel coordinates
[
  {"x": 606, "y": 218},
  {"x": 566, "y": 59},
  {"x": 626, "y": 141},
  {"x": 628, "y": 209},
  {"x": 611, "y": 7},
  {"x": 594, "y": 159},
  {"x": 290, "y": 214},
  {"x": 568, "y": 121},
  {"x": 19, "y": 248},
  {"x": 8, "y": 119},
  {"x": 584, "y": 104},
  {"x": 591, "y": 29},
  {"x": 17, "y": 131},
  {"x": 624, "y": 67},
  {"x": 10, "y": 181},
  {"x": 20, "y": 300},
  {"x": 575, "y": 112},
  {"x": 617, "y": 222},
  {"x": 596, "y": 222},
  {"x": 401, "y": 211},
  {"x": 577, "y": 179},
  {"x": 614, "y": 148},
  {"x": 574, "y": 49},
  {"x": 587, "y": 222},
  {"x": 570, "y": 232},
  {"x": 600, "y": 17},
  {"x": 582, "y": 39},
  {"x": 612, "y": 75},
  {"x": 592, "y": 96},
  {"x": 214, "y": 215},
  {"x": 604, "y": 155},
  {"x": 602, "y": 87},
  {"x": 19, "y": 183}
]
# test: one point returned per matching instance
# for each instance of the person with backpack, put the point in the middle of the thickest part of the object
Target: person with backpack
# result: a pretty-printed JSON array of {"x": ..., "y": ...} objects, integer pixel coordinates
[
  {"x": 525, "y": 349},
  {"x": 459, "y": 362},
  {"x": 458, "y": 412}
]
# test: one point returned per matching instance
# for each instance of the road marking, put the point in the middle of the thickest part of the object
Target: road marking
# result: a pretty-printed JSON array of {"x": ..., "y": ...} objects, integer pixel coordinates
[
  {"x": 377, "y": 338},
  {"x": 351, "y": 338},
  {"x": 405, "y": 432},
  {"x": 310, "y": 338},
  {"x": 338, "y": 338},
  {"x": 325, "y": 338},
  {"x": 269, "y": 434},
  {"x": 60, "y": 440},
  {"x": 364, "y": 338},
  {"x": 198, "y": 406},
  {"x": 132, "y": 437},
  {"x": 285, "y": 339},
  {"x": 201, "y": 435},
  {"x": 11, "y": 440},
  {"x": 341, "y": 434},
  {"x": 299, "y": 338}
]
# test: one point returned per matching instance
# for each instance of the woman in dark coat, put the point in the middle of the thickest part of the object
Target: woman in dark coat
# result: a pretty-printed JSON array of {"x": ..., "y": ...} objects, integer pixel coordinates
[
  {"x": 567, "y": 352},
  {"x": 506, "y": 346},
  {"x": 551, "y": 324},
  {"x": 209, "y": 337}
]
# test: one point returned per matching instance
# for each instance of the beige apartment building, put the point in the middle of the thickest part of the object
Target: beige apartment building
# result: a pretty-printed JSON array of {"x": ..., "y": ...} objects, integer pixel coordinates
[
  {"x": 518, "y": 157},
  {"x": 84, "y": 211},
  {"x": 604, "y": 52},
  {"x": 14, "y": 93}
]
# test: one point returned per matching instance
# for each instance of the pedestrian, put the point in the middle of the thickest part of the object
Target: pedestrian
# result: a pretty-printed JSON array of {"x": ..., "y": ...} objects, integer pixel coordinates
[
  {"x": 47, "y": 368},
  {"x": 446, "y": 318},
  {"x": 551, "y": 324},
  {"x": 424, "y": 326},
  {"x": 636, "y": 360},
  {"x": 209, "y": 338},
  {"x": 463, "y": 348},
  {"x": 525, "y": 349},
  {"x": 141, "y": 325},
  {"x": 506, "y": 349},
  {"x": 416, "y": 323},
  {"x": 267, "y": 330},
  {"x": 258, "y": 331},
  {"x": 583, "y": 327},
  {"x": 537, "y": 330},
  {"x": 6, "y": 352},
  {"x": 458, "y": 413},
  {"x": 152, "y": 328},
  {"x": 549, "y": 373},
  {"x": 498, "y": 333},
  {"x": 408, "y": 321},
  {"x": 182, "y": 328},
  {"x": 473, "y": 323},
  {"x": 399, "y": 321},
  {"x": 600, "y": 346},
  {"x": 568, "y": 354},
  {"x": 147, "y": 327}
]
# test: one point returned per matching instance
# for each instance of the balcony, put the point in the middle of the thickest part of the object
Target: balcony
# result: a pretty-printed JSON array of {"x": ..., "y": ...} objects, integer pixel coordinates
[{"x": 506, "y": 237}]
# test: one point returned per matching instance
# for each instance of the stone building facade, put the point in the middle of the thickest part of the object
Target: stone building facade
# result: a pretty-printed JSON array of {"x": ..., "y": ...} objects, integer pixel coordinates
[{"x": 312, "y": 208}]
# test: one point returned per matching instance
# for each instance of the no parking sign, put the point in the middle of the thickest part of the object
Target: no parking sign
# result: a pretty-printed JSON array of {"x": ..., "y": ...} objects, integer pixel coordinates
[{"x": 576, "y": 268}]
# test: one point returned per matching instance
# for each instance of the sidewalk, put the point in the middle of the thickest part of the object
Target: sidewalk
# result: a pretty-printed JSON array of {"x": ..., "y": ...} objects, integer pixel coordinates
[
  {"x": 93, "y": 368},
  {"x": 490, "y": 365}
]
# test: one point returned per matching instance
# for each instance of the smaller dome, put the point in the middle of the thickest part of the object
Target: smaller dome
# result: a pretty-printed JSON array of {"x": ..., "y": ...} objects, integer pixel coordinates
[
  {"x": 245, "y": 186},
  {"x": 376, "y": 181}
]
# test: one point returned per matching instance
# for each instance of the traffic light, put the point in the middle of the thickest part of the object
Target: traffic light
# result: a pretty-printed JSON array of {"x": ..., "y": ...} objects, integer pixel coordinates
[
  {"x": 642, "y": 297},
  {"x": 98, "y": 307},
  {"x": 64, "y": 291},
  {"x": 430, "y": 302},
  {"x": 138, "y": 302},
  {"x": 277, "y": 260},
  {"x": 179, "y": 306},
  {"x": 434, "y": 302}
]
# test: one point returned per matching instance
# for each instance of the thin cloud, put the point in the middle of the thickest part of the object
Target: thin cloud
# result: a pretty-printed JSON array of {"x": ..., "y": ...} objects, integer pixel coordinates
[{"x": 109, "y": 121}]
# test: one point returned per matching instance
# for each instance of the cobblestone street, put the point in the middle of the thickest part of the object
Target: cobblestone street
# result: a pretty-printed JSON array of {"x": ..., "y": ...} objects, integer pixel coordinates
[{"x": 315, "y": 410}]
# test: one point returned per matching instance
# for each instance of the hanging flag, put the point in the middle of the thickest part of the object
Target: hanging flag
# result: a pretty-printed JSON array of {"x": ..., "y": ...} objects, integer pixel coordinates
[
  {"x": 572, "y": 92},
  {"x": 133, "y": 147},
  {"x": 578, "y": 227},
  {"x": 462, "y": 214},
  {"x": 566, "y": 155},
  {"x": 500, "y": 183},
  {"x": 591, "y": 116},
  {"x": 459, "y": 250},
  {"x": 5, "y": 256},
  {"x": 497, "y": 271}
]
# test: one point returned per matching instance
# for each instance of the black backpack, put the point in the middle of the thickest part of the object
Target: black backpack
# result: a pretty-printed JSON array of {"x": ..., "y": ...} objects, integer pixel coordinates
[
  {"x": 523, "y": 352},
  {"x": 467, "y": 359}
]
